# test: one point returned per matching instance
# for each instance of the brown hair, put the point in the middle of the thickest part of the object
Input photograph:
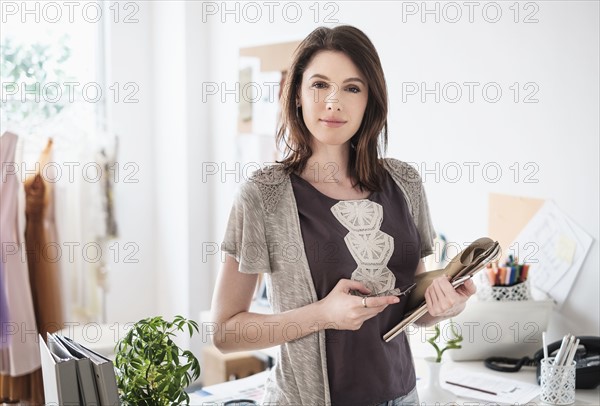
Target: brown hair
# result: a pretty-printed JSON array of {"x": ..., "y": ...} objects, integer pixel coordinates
[{"x": 370, "y": 141}]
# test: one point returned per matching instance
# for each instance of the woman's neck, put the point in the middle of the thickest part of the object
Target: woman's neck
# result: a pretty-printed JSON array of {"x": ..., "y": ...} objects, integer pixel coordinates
[
  {"x": 327, "y": 171},
  {"x": 328, "y": 164}
]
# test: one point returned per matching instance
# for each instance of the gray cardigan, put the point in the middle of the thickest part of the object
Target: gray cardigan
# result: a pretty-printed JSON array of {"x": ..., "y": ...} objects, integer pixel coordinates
[{"x": 263, "y": 235}]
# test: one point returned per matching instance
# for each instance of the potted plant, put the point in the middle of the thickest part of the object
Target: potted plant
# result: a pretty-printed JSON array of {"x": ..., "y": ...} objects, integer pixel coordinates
[
  {"x": 451, "y": 344},
  {"x": 151, "y": 368},
  {"x": 434, "y": 393}
]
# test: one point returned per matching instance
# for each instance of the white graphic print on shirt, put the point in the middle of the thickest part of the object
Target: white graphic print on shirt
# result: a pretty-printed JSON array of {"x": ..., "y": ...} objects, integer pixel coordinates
[{"x": 370, "y": 247}]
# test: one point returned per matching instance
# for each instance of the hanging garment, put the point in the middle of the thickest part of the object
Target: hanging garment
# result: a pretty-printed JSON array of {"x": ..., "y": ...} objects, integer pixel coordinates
[
  {"x": 108, "y": 162},
  {"x": 43, "y": 250},
  {"x": 4, "y": 320},
  {"x": 20, "y": 373},
  {"x": 80, "y": 220}
]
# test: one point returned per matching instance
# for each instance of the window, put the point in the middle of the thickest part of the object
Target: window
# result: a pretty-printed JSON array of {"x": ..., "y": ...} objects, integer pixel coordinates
[{"x": 51, "y": 65}]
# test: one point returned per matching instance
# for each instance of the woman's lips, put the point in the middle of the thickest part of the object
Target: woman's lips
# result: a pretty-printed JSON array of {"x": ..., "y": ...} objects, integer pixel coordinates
[{"x": 332, "y": 123}]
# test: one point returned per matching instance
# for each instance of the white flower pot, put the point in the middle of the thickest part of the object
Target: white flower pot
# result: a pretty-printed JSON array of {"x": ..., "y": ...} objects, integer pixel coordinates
[{"x": 433, "y": 393}]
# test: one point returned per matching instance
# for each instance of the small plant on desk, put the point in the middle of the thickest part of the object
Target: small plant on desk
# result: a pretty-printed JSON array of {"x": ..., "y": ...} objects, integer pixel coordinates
[
  {"x": 151, "y": 369},
  {"x": 451, "y": 344}
]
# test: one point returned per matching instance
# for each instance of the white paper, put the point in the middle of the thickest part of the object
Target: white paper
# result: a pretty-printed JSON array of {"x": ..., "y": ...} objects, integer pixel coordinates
[
  {"x": 555, "y": 247},
  {"x": 252, "y": 388},
  {"x": 265, "y": 103},
  {"x": 509, "y": 391}
]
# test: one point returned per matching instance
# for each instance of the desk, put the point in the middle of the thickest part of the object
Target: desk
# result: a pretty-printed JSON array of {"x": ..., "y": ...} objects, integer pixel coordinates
[
  {"x": 526, "y": 374},
  {"x": 583, "y": 397}
]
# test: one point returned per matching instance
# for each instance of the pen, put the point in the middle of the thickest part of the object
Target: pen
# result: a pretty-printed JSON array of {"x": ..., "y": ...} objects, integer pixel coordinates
[
  {"x": 545, "y": 346},
  {"x": 565, "y": 355},
  {"x": 472, "y": 388},
  {"x": 561, "y": 351},
  {"x": 572, "y": 353}
]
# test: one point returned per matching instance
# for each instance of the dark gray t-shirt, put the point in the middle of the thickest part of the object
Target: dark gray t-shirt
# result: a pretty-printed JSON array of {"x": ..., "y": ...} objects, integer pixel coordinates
[{"x": 375, "y": 241}]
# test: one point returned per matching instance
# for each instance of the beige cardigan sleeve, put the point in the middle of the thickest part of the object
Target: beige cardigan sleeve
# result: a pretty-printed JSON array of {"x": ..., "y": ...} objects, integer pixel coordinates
[
  {"x": 411, "y": 184},
  {"x": 245, "y": 238},
  {"x": 425, "y": 225}
]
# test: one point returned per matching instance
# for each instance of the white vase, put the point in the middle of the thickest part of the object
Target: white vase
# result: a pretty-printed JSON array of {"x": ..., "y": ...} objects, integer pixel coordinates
[{"x": 433, "y": 393}]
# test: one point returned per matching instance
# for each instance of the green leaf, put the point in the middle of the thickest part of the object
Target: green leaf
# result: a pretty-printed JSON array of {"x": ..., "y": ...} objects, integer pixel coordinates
[
  {"x": 150, "y": 371},
  {"x": 195, "y": 325}
]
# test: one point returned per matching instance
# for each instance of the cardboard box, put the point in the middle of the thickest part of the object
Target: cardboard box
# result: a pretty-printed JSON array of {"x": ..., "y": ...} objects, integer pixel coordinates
[{"x": 218, "y": 367}]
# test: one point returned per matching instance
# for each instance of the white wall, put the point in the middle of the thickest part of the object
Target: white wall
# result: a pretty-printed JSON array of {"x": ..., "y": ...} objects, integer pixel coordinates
[
  {"x": 133, "y": 285},
  {"x": 166, "y": 133},
  {"x": 176, "y": 216}
]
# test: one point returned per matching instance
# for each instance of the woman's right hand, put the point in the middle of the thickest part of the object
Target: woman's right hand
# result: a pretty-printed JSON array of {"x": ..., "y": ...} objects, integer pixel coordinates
[{"x": 344, "y": 311}]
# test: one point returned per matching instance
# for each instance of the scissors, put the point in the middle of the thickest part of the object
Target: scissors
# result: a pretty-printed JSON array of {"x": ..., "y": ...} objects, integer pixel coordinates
[
  {"x": 392, "y": 292},
  {"x": 403, "y": 291}
]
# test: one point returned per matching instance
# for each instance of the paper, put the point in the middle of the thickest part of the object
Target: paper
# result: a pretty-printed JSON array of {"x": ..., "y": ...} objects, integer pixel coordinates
[
  {"x": 244, "y": 101},
  {"x": 555, "y": 247},
  {"x": 251, "y": 388},
  {"x": 508, "y": 391},
  {"x": 265, "y": 103},
  {"x": 565, "y": 249}
]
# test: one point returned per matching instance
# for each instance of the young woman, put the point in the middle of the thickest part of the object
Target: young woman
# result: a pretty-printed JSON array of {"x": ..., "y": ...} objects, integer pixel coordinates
[{"x": 338, "y": 231}]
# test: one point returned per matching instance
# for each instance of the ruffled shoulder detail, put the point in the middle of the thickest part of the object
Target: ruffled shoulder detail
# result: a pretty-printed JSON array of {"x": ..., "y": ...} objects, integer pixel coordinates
[{"x": 271, "y": 181}]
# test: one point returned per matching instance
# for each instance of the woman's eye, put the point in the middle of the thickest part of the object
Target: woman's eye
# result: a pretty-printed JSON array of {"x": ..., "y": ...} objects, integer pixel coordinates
[{"x": 322, "y": 85}]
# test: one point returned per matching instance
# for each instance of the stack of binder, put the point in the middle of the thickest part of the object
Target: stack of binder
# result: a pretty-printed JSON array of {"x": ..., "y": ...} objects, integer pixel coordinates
[{"x": 76, "y": 375}]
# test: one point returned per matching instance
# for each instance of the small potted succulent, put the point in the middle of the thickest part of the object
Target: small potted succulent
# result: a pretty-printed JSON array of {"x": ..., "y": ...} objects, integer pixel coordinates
[{"x": 151, "y": 369}]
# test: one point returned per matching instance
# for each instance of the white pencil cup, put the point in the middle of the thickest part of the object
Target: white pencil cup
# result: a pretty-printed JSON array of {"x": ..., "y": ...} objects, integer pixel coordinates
[
  {"x": 516, "y": 292},
  {"x": 557, "y": 382}
]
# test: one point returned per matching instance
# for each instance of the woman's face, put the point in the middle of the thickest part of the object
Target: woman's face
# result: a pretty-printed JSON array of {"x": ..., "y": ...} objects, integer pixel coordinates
[{"x": 333, "y": 96}]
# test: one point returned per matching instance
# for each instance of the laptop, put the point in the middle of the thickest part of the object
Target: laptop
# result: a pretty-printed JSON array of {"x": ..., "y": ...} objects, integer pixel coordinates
[{"x": 500, "y": 328}]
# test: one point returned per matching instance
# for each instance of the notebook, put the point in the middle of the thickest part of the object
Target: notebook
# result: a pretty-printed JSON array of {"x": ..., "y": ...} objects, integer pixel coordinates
[{"x": 59, "y": 372}]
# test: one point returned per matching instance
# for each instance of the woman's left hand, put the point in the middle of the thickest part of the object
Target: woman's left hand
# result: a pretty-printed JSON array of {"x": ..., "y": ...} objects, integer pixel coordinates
[{"x": 445, "y": 301}]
